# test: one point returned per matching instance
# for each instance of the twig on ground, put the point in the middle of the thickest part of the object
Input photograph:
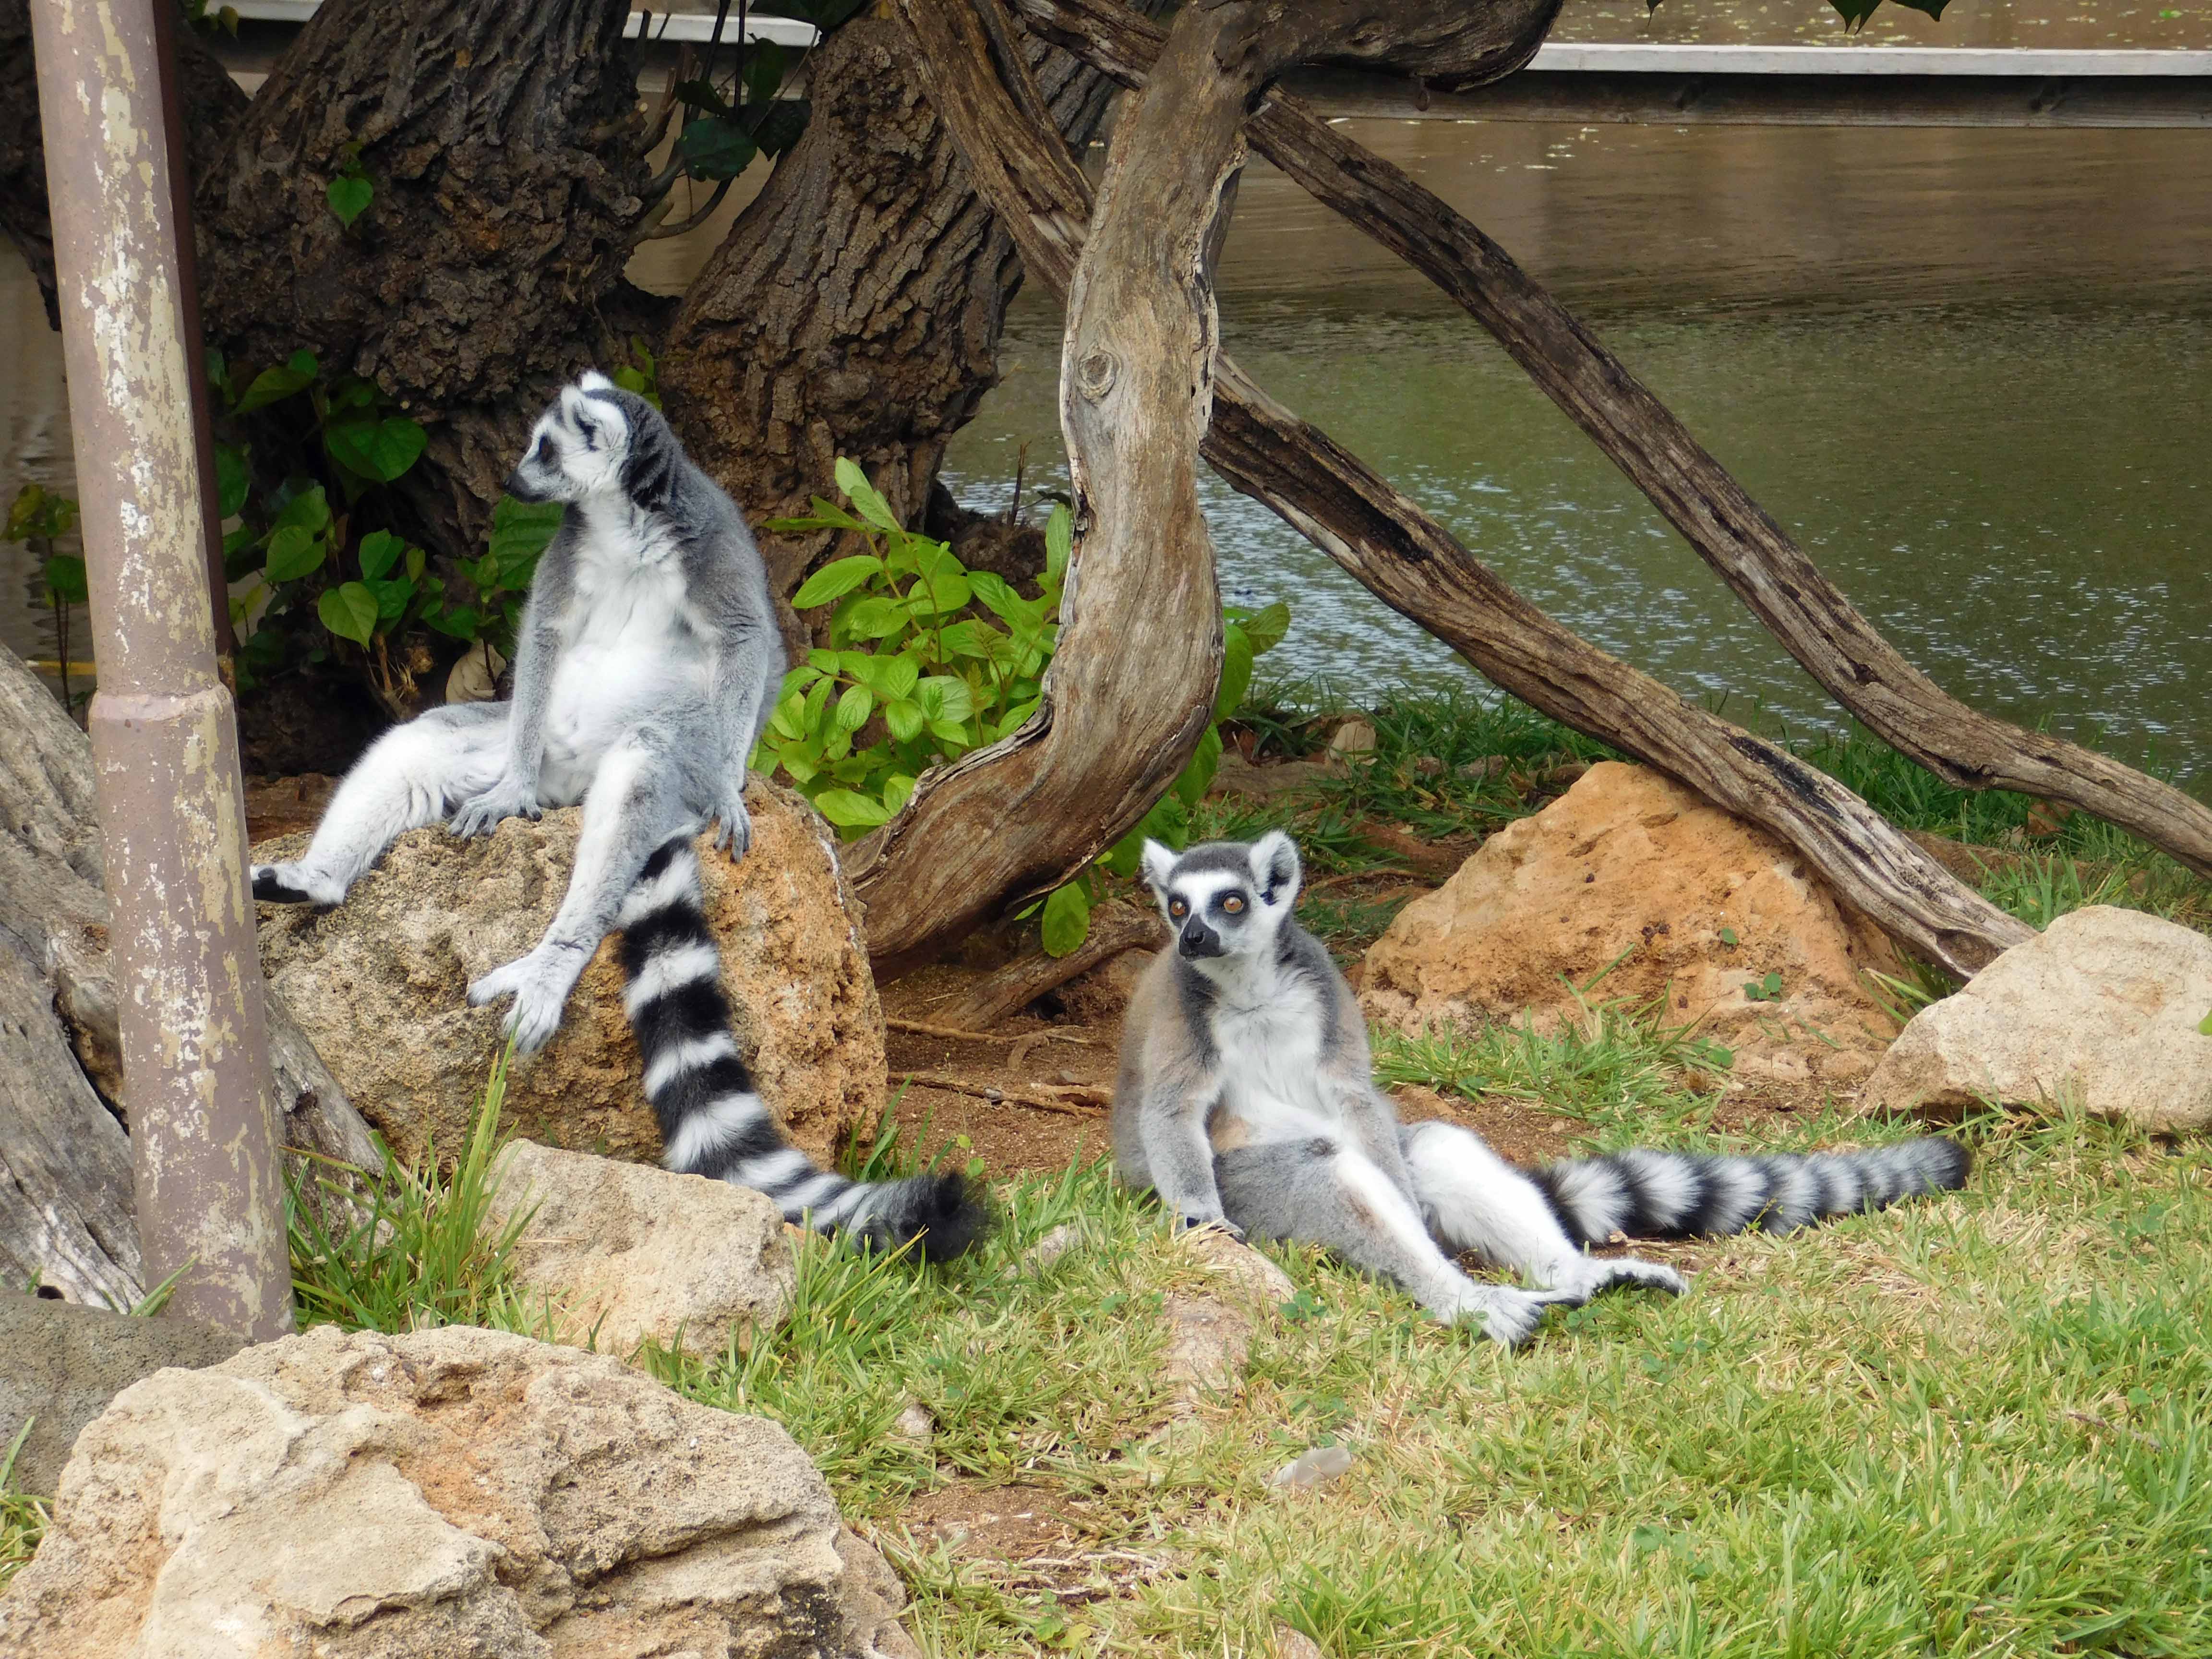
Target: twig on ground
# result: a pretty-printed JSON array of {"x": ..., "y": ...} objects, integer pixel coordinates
[
  {"x": 955, "y": 1034},
  {"x": 1075, "y": 1099},
  {"x": 2097, "y": 1422}
]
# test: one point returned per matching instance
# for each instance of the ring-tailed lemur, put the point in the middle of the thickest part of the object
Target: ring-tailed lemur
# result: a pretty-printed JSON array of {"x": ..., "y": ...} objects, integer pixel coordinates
[
  {"x": 647, "y": 661},
  {"x": 1245, "y": 1098}
]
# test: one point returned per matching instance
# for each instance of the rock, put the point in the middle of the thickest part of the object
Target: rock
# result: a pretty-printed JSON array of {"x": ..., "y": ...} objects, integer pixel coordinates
[
  {"x": 380, "y": 985},
  {"x": 1297, "y": 1645},
  {"x": 914, "y": 1426},
  {"x": 2103, "y": 1008},
  {"x": 451, "y": 1494},
  {"x": 1241, "y": 1271},
  {"x": 1630, "y": 871},
  {"x": 626, "y": 1252},
  {"x": 1210, "y": 1330},
  {"x": 1058, "y": 1242},
  {"x": 1353, "y": 740},
  {"x": 61, "y": 1362},
  {"x": 1237, "y": 776}
]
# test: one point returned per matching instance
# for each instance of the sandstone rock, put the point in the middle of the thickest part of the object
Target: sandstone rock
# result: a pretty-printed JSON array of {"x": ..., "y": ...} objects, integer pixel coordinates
[
  {"x": 451, "y": 1494},
  {"x": 60, "y": 1364},
  {"x": 626, "y": 1252},
  {"x": 380, "y": 985},
  {"x": 2102, "y": 1008},
  {"x": 1210, "y": 1330},
  {"x": 1630, "y": 869}
]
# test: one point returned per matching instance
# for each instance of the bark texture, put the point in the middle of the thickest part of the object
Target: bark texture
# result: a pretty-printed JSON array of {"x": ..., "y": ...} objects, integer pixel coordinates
[
  {"x": 1131, "y": 684},
  {"x": 1812, "y": 618},
  {"x": 1412, "y": 564},
  {"x": 211, "y": 102},
  {"x": 67, "y": 1211},
  {"x": 855, "y": 307},
  {"x": 502, "y": 142}
]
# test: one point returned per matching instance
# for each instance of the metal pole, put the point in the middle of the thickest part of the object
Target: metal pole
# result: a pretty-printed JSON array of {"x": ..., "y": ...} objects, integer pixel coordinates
[{"x": 164, "y": 732}]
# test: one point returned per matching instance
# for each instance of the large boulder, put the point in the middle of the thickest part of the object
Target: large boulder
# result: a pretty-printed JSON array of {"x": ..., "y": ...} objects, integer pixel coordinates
[
  {"x": 625, "y": 1252},
  {"x": 2102, "y": 1009},
  {"x": 380, "y": 985},
  {"x": 1630, "y": 875},
  {"x": 451, "y": 1494},
  {"x": 60, "y": 1364}
]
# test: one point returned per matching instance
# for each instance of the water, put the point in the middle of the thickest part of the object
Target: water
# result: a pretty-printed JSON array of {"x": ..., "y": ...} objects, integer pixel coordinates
[{"x": 1965, "y": 367}]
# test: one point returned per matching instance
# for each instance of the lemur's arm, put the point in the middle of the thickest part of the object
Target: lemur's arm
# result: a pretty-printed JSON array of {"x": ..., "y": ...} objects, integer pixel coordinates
[
  {"x": 536, "y": 650},
  {"x": 748, "y": 671},
  {"x": 1171, "y": 1116}
]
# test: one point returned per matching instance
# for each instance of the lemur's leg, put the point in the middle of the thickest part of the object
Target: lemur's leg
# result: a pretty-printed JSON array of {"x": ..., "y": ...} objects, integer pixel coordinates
[
  {"x": 412, "y": 775},
  {"x": 1475, "y": 1201},
  {"x": 1326, "y": 1192},
  {"x": 633, "y": 805}
]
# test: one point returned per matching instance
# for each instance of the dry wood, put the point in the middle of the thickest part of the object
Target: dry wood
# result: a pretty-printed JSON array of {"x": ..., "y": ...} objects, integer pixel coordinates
[
  {"x": 1074, "y": 1099},
  {"x": 1115, "y": 927},
  {"x": 1812, "y": 618},
  {"x": 1414, "y": 565},
  {"x": 955, "y": 1034}
]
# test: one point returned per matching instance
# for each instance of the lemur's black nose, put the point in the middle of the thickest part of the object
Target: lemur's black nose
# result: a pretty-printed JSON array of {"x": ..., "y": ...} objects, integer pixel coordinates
[{"x": 1198, "y": 940}]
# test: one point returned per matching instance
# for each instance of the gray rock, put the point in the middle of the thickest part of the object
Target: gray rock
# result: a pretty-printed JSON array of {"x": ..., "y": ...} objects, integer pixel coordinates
[
  {"x": 450, "y": 1494},
  {"x": 626, "y": 1251},
  {"x": 60, "y": 1364},
  {"x": 2102, "y": 1008}
]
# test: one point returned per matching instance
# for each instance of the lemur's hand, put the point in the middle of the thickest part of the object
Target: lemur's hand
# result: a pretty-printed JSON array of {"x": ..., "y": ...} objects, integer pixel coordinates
[
  {"x": 509, "y": 798},
  {"x": 734, "y": 829},
  {"x": 1185, "y": 1223}
]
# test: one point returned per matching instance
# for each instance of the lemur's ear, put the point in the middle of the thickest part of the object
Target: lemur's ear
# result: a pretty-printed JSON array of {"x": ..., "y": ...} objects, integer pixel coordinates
[
  {"x": 1159, "y": 863},
  {"x": 591, "y": 380},
  {"x": 649, "y": 471},
  {"x": 1275, "y": 868}
]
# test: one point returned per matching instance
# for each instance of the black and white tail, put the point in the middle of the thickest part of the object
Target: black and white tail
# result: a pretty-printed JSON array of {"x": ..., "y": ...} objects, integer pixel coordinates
[
  {"x": 711, "y": 1121},
  {"x": 1653, "y": 1194}
]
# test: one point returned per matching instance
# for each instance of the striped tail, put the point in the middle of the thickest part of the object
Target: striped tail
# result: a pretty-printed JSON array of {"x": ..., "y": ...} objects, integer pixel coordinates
[
  {"x": 1653, "y": 1194},
  {"x": 711, "y": 1121}
]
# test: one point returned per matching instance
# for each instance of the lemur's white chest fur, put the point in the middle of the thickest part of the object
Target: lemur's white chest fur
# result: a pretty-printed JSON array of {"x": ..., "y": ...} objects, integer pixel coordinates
[
  {"x": 1266, "y": 1027},
  {"x": 630, "y": 644}
]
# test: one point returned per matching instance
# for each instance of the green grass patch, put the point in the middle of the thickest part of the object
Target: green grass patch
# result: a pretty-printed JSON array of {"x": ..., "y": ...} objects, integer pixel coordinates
[{"x": 23, "y": 1517}]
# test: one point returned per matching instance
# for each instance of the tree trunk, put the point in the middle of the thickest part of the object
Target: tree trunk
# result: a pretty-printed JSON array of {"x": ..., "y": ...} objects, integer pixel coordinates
[
  {"x": 1393, "y": 549},
  {"x": 1819, "y": 626},
  {"x": 211, "y": 102},
  {"x": 503, "y": 144},
  {"x": 855, "y": 307},
  {"x": 1131, "y": 684},
  {"x": 67, "y": 1211}
]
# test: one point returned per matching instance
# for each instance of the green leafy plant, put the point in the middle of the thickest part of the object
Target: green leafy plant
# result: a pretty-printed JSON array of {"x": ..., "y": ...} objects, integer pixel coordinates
[
  {"x": 305, "y": 572},
  {"x": 912, "y": 678},
  {"x": 39, "y": 517},
  {"x": 222, "y": 20},
  {"x": 1768, "y": 989},
  {"x": 350, "y": 190}
]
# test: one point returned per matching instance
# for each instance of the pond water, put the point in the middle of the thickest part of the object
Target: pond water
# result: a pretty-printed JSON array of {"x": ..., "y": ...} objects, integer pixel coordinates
[{"x": 1967, "y": 369}]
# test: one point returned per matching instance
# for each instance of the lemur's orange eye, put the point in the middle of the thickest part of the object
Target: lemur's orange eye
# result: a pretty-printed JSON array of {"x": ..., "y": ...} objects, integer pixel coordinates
[
  {"x": 1177, "y": 908},
  {"x": 1232, "y": 904}
]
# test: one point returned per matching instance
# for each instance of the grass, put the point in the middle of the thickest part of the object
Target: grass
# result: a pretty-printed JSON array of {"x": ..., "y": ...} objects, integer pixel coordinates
[{"x": 23, "y": 1517}]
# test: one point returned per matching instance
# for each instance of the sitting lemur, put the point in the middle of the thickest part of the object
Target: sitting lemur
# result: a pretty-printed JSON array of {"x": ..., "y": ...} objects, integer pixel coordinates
[{"x": 645, "y": 664}]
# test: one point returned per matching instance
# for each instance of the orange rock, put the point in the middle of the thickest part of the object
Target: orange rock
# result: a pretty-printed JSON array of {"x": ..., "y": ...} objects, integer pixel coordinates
[{"x": 1630, "y": 877}]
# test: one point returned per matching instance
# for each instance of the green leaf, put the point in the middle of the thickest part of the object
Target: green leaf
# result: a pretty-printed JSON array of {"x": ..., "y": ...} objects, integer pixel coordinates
[
  {"x": 520, "y": 531},
  {"x": 939, "y": 592},
  {"x": 309, "y": 510},
  {"x": 854, "y": 708},
  {"x": 274, "y": 384},
  {"x": 459, "y": 621},
  {"x": 898, "y": 789},
  {"x": 381, "y": 450},
  {"x": 1059, "y": 541},
  {"x": 2204, "y": 1025},
  {"x": 716, "y": 148},
  {"x": 1067, "y": 921},
  {"x": 379, "y": 551},
  {"x": 349, "y": 195},
  {"x": 849, "y": 810},
  {"x": 835, "y": 580},
  {"x": 391, "y": 599},
  {"x": 294, "y": 552},
  {"x": 1727, "y": 937},
  {"x": 905, "y": 718},
  {"x": 350, "y": 613},
  {"x": 1266, "y": 626},
  {"x": 700, "y": 94},
  {"x": 234, "y": 479},
  {"x": 1236, "y": 672},
  {"x": 781, "y": 125},
  {"x": 764, "y": 65},
  {"x": 875, "y": 618},
  {"x": 1191, "y": 785},
  {"x": 65, "y": 575},
  {"x": 946, "y": 697},
  {"x": 862, "y": 494}
]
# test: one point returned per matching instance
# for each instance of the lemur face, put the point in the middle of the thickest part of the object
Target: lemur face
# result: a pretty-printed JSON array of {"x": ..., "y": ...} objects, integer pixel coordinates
[
  {"x": 578, "y": 447},
  {"x": 1224, "y": 899}
]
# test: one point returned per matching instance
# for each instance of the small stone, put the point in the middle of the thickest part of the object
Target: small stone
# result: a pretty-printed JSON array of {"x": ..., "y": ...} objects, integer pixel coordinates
[
  {"x": 1428, "y": 766},
  {"x": 1353, "y": 739},
  {"x": 1297, "y": 1645},
  {"x": 1312, "y": 1468},
  {"x": 915, "y": 1425},
  {"x": 1052, "y": 1246}
]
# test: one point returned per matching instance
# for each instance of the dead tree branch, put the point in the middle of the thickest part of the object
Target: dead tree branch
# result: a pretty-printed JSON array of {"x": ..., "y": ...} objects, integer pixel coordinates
[
  {"x": 1812, "y": 618},
  {"x": 1414, "y": 565}
]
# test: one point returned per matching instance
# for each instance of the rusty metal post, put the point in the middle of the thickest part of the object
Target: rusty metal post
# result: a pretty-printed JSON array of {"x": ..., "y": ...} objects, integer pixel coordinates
[{"x": 164, "y": 732}]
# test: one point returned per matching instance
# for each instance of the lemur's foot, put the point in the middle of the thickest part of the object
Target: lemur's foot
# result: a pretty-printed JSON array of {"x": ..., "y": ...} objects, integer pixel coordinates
[
  {"x": 288, "y": 884},
  {"x": 539, "y": 983},
  {"x": 1588, "y": 1276},
  {"x": 1508, "y": 1316}
]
